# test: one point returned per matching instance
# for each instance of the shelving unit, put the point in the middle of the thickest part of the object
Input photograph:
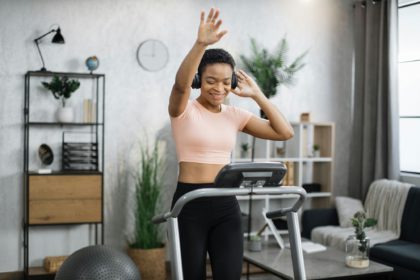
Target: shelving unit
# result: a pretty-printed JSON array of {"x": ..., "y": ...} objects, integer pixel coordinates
[
  {"x": 61, "y": 198},
  {"x": 303, "y": 167}
]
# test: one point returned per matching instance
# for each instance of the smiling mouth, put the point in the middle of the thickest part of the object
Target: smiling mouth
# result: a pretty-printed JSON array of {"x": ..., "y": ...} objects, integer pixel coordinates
[{"x": 217, "y": 95}]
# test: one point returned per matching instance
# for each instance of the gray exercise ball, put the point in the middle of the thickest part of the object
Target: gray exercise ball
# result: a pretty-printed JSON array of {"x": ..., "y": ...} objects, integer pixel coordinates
[{"x": 98, "y": 262}]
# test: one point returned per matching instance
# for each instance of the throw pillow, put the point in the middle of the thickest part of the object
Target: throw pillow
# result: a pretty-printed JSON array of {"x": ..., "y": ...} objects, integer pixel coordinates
[{"x": 346, "y": 207}]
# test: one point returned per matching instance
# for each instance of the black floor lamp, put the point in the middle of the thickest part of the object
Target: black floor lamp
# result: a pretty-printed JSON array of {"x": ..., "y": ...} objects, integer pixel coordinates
[{"x": 57, "y": 39}]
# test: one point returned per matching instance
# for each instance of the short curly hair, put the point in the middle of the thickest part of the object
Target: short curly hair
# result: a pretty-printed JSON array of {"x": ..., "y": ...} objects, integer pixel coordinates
[{"x": 212, "y": 56}]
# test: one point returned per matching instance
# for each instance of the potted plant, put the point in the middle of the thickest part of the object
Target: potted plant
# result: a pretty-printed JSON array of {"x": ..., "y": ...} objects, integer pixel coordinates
[
  {"x": 146, "y": 247},
  {"x": 255, "y": 243},
  {"x": 316, "y": 151},
  {"x": 357, "y": 245},
  {"x": 244, "y": 150},
  {"x": 271, "y": 70},
  {"x": 62, "y": 89}
]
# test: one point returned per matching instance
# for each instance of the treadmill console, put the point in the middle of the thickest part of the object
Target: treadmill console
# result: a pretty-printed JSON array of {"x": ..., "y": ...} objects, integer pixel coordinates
[{"x": 251, "y": 174}]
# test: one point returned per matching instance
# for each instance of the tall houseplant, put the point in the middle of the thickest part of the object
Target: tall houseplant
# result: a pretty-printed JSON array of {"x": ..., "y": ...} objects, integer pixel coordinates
[
  {"x": 62, "y": 89},
  {"x": 271, "y": 70},
  {"x": 146, "y": 247}
]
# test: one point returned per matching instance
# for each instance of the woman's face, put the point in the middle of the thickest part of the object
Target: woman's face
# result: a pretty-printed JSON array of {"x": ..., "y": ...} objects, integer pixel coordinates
[{"x": 216, "y": 82}]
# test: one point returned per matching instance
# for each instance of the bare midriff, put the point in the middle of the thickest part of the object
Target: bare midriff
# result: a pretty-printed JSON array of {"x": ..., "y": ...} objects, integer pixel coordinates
[{"x": 193, "y": 172}]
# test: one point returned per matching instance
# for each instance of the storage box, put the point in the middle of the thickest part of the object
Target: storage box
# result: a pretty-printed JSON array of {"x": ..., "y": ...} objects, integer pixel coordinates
[
  {"x": 53, "y": 264},
  {"x": 312, "y": 187}
]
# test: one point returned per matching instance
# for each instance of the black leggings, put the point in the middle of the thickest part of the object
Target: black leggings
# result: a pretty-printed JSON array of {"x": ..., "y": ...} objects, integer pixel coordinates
[{"x": 213, "y": 225}]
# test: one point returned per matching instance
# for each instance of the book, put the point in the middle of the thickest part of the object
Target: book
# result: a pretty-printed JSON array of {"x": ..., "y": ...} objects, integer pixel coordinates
[
  {"x": 89, "y": 110},
  {"x": 310, "y": 247}
]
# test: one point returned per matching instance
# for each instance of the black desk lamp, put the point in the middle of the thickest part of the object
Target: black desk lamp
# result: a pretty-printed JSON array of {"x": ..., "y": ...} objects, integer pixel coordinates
[{"x": 57, "y": 39}]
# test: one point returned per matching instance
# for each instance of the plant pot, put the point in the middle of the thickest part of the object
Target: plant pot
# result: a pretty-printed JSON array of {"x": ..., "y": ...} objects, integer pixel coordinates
[
  {"x": 150, "y": 262},
  {"x": 317, "y": 153},
  {"x": 357, "y": 252},
  {"x": 254, "y": 245},
  {"x": 244, "y": 154},
  {"x": 65, "y": 114}
]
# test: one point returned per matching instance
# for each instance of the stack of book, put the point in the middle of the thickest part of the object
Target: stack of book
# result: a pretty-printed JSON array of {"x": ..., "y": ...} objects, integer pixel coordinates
[
  {"x": 288, "y": 179},
  {"x": 89, "y": 110}
]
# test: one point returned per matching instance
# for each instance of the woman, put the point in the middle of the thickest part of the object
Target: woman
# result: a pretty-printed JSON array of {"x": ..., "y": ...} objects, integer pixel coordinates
[{"x": 205, "y": 133}]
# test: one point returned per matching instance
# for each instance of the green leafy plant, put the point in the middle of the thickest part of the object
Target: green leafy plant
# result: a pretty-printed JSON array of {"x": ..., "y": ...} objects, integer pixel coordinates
[
  {"x": 272, "y": 70},
  {"x": 62, "y": 88},
  {"x": 147, "y": 196},
  {"x": 244, "y": 147},
  {"x": 360, "y": 222},
  {"x": 316, "y": 147},
  {"x": 255, "y": 237}
]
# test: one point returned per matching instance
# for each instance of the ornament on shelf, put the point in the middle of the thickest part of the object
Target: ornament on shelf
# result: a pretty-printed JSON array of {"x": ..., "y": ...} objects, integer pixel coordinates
[
  {"x": 92, "y": 63},
  {"x": 305, "y": 117}
]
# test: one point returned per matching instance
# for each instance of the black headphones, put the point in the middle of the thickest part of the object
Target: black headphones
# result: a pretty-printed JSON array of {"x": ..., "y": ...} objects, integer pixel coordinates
[{"x": 196, "y": 83}]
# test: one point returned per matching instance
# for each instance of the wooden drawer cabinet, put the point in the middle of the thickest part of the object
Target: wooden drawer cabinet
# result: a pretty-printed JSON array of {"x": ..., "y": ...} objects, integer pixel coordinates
[{"x": 65, "y": 199}]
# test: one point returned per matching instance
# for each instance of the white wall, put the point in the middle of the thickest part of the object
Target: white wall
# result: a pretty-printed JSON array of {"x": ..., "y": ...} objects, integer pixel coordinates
[{"x": 137, "y": 100}]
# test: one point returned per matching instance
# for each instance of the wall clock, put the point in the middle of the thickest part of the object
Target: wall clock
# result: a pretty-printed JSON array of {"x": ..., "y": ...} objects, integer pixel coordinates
[{"x": 152, "y": 55}]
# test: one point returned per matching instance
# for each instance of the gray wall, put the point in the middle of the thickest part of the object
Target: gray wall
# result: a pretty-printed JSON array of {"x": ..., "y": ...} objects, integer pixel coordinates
[{"x": 137, "y": 100}]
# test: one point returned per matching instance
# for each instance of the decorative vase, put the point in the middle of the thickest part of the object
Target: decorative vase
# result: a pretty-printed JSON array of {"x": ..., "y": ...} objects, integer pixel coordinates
[
  {"x": 280, "y": 152},
  {"x": 65, "y": 114},
  {"x": 244, "y": 154},
  {"x": 150, "y": 262},
  {"x": 317, "y": 153},
  {"x": 357, "y": 252}
]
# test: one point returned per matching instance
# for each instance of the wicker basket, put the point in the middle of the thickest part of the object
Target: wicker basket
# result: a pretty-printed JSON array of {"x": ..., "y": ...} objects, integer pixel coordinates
[
  {"x": 52, "y": 264},
  {"x": 151, "y": 262}
]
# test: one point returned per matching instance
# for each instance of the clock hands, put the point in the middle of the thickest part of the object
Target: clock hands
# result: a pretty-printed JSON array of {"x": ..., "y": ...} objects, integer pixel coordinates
[{"x": 152, "y": 55}]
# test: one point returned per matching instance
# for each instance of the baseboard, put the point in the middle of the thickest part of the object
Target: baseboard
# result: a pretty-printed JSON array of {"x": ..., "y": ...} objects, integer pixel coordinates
[{"x": 17, "y": 275}]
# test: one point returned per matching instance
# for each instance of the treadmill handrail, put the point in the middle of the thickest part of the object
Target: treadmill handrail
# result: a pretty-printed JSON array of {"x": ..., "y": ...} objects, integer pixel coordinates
[{"x": 212, "y": 192}]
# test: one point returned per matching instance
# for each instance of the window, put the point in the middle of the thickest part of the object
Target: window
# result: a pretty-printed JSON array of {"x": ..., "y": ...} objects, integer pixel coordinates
[{"x": 409, "y": 85}]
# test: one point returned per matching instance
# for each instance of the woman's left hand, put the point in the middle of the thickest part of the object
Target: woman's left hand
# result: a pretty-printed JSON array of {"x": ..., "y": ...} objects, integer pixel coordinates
[{"x": 247, "y": 87}]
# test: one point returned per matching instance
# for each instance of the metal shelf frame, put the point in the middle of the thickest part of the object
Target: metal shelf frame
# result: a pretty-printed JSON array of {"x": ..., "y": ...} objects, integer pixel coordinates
[{"x": 99, "y": 128}]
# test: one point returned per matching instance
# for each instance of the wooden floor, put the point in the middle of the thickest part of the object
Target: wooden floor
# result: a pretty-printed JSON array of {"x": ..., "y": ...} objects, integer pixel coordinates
[
  {"x": 256, "y": 274},
  {"x": 11, "y": 276},
  {"x": 261, "y": 277}
]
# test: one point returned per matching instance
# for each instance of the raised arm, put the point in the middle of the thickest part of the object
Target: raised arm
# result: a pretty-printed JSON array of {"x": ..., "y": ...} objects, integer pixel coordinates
[
  {"x": 277, "y": 127},
  {"x": 208, "y": 33}
]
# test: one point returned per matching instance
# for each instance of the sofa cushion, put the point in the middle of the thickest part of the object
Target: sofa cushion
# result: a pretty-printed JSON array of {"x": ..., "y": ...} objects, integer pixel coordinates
[
  {"x": 312, "y": 218},
  {"x": 346, "y": 208},
  {"x": 410, "y": 227},
  {"x": 336, "y": 236},
  {"x": 398, "y": 252}
]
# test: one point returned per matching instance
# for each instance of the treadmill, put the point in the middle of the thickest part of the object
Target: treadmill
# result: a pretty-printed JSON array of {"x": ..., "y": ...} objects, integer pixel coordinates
[{"x": 256, "y": 178}]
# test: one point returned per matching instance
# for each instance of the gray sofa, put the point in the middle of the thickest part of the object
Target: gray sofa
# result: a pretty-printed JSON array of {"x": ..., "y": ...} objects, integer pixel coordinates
[{"x": 402, "y": 254}]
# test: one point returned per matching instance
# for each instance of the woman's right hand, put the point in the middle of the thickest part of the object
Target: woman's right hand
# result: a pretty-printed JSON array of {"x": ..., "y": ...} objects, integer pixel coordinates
[{"x": 208, "y": 31}]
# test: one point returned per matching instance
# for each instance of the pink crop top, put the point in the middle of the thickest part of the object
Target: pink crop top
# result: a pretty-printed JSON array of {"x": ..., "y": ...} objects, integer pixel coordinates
[{"x": 206, "y": 137}]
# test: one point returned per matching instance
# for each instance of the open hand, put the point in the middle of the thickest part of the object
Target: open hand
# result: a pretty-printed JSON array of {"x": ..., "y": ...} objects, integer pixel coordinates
[
  {"x": 247, "y": 87},
  {"x": 208, "y": 31}
]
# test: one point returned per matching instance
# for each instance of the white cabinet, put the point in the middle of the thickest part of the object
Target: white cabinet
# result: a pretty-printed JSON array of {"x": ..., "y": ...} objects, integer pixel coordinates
[{"x": 305, "y": 166}]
